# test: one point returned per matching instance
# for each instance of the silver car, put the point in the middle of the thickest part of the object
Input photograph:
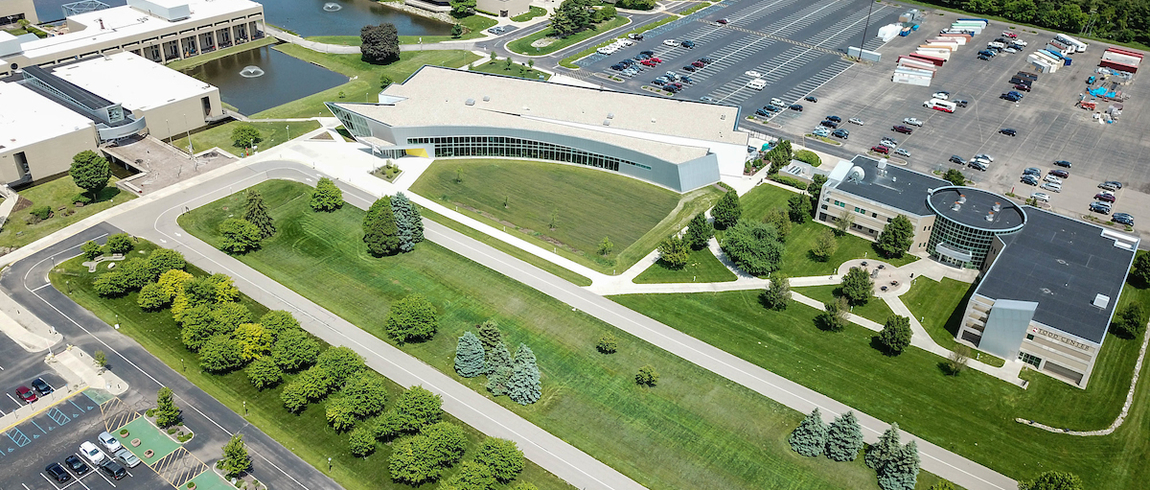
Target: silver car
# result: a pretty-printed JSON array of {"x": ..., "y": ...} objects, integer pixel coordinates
[
  {"x": 1052, "y": 187},
  {"x": 902, "y": 152},
  {"x": 127, "y": 458},
  {"x": 855, "y": 120}
]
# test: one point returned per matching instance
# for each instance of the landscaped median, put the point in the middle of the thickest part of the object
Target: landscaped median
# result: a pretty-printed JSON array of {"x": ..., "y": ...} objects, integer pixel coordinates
[
  {"x": 693, "y": 429},
  {"x": 524, "y": 45},
  {"x": 569, "y": 62}
]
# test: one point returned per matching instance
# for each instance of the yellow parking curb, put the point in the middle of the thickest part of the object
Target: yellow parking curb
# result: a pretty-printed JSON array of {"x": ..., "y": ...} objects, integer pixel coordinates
[{"x": 43, "y": 409}]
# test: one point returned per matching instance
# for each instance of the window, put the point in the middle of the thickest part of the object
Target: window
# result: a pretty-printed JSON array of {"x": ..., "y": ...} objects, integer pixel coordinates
[
  {"x": 1029, "y": 336},
  {"x": 1030, "y": 359},
  {"x": 824, "y": 207},
  {"x": 860, "y": 210},
  {"x": 874, "y": 215},
  {"x": 449, "y": 146}
]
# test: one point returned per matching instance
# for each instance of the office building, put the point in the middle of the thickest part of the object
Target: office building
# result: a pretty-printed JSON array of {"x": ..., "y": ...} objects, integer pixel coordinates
[{"x": 38, "y": 137}]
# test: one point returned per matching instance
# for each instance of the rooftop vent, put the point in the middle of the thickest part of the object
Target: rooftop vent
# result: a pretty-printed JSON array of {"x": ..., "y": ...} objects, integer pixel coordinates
[
  {"x": 610, "y": 115},
  {"x": 487, "y": 98},
  {"x": 882, "y": 163},
  {"x": 469, "y": 102},
  {"x": 1046, "y": 291},
  {"x": 1061, "y": 261},
  {"x": 606, "y": 122},
  {"x": 957, "y": 206},
  {"x": 997, "y": 207},
  {"x": 961, "y": 199},
  {"x": 990, "y": 216},
  {"x": 1101, "y": 301}
]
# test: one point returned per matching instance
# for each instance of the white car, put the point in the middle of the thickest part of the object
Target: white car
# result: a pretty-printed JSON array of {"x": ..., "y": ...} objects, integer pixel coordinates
[
  {"x": 1051, "y": 186},
  {"x": 912, "y": 121},
  {"x": 941, "y": 95},
  {"x": 855, "y": 120},
  {"x": 984, "y": 156},
  {"x": 624, "y": 42},
  {"x": 821, "y": 131},
  {"x": 1040, "y": 197},
  {"x": 91, "y": 452},
  {"x": 109, "y": 442},
  {"x": 1019, "y": 42},
  {"x": 606, "y": 49},
  {"x": 1052, "y": 179},
  {"x": 670, "y": 42},
  {"x": 902, "y": 152},
  {"x": 753, "y": 74}
]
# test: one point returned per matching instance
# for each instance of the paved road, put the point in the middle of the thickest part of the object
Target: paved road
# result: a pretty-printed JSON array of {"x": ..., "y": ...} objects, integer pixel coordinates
[
  {"x": 157, "y": 222},
  {"x": 26, "y": 282}
]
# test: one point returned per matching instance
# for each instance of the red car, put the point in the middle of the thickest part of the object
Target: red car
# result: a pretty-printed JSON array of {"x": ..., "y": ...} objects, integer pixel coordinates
[
  {"x": 656, "y": 59},
  {"x": 647, "y": 63},
  {"x": 1105, "y": 197},
  {"x": 880, "y": 149},
  {"x": 1010, "y": 34},
  {"x": 1062, "y": 174},
  {"x": 1024, "y": 88},
  {"x": 26, "y": 394},
  {"x": 903, "y": 129},
  {"x": 698, "y": 64}
]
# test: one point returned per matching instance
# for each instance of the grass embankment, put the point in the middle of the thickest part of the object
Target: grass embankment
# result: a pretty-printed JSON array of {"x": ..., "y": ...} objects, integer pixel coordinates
[
  {"x": 473, "y": 28},
  {"x": 273, "y": 134},
  {"x": 588, "y": 205},
  {"x": 58, "y": 193},
  {"x": 702, "y": 266},
  {"x": 518, "y": 70},
  {"x": 530, "y": 14},
  {"x": 971, "y": 414},
  {"x": 365, "y": 86},
  {"x": 569, "y": 61},
  {"x": 220, "y": 53},
  {"x": 695, "y": 8},
  {"x": 940, "y": 307},
  {"x": 523, "y": 44},
  {"x": 694, "y": 430},
  {"x": 797, "y": 259},
  {"x": 875, "y": 309},
  {"x": 307, "y": 435}
]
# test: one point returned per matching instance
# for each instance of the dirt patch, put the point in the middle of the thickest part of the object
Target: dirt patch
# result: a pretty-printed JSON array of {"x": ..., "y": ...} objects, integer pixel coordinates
[
  {"x": 21, "y": 204},
  {"x": 526, "y": 231}
]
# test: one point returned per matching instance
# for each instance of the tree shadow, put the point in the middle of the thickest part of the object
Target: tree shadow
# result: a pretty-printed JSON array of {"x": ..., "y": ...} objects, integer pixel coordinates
[{"x": 107, "y": 194}]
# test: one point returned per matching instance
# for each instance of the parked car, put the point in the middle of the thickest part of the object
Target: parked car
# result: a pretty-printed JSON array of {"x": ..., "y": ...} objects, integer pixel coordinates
[
  {"x": 1051, "y": 186},
  {"x": 1022, "y": 87},
  {"x": 126, "y": 458},
  {"x": 1123, "y": 218},
  {"x": 841, "y": 133},
  {"x": 689, "y": 68},
  {"x": 1051, "y": 178},
  {"x": 753, "y": 74},
  {"x": 941, "y": 95},
  {"x": 1032, "y": 171},
  {"x": 880, "y": 149},
  {"x": 689, "y": 44},
  {"x": 891, "y": 142},
  {"x": 855, "y": 120},
  {"x": 91, "y": 452},
  {"x": 109, "y": 442},
  {"x": 647, "y": 62},
  {"x": 773, "y": 108},
  {"x": 1059, "y": 173},
  {"x": 1100, "y": 207},
  {"x": 957, "y": 159},
  {"x": 913, "y": 121},
  {"x": 670, "y": 42},
  {"x": 707, "y": 59},
  {"x": 656, "y": 59},
  {"x": 708, "y": 99},
  {"x": 1008, "y": 132},
  {"x": 647, "y": 52},
  {"x": 762, "y": 112},
  {"x": 978, "y": 165},
  {"x": 902, "y": 152},
  {"x": 1040, "y": 196},
  {"x": 724, "y": 20},
  {"x": 902, "y": 129},
  {"x": 811, "y": 98},
  {"x": 26, "y": 394},
  {"x": 76, "y": 464},
  {"x": 835, "y": 119},
  {"x": 113, "y": 469},
  {"x": 1113, "y": 184},
  {"x": 1010, "y": 97},
  {"x": 961, "y": 102},
  {"x": 983, "y": 57},
  {"x": 686, "y": 79},
  {"x": 986, "y": 52},
  {"x": 56, "y": 472},
  {"x": 635, "y": 36},
  {"x": 698, "y": 64},
  {"x": 1010, "y": 49},
  {"x": 1063, "y": 163},
  {"x": 1029, "y": 180},
  {"x": 796, "y": 107},
  {"x": 830, "y": 124},
  {"x": 821, "y": 131}
]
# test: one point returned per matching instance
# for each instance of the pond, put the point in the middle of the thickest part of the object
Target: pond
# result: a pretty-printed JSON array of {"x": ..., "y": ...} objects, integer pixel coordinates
[
  {"x": 259, "y": 79},
  {"x": 310, "y": 17}
]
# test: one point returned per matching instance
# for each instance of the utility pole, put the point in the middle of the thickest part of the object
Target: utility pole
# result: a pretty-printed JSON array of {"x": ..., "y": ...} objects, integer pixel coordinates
[{"x": 865, "y": 27}]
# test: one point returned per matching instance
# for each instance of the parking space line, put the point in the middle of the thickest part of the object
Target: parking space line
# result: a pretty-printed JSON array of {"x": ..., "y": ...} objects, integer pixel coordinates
[
  {"x": 18, "y": 438},
  {"x": 13, "y": 399},
  {"x": 81, "y": 409},
  {"x": 58, "y": 416}
]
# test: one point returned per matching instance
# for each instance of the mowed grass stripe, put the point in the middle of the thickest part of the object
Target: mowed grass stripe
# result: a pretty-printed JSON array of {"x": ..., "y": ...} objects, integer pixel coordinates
[{"x": 694, "y": 430}]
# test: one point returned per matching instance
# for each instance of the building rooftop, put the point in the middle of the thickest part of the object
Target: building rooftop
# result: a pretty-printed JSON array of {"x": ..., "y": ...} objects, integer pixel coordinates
[
  {"x": 436, "y": 96},
  {"x": 29, "y": 117},
  {"x": 126, "y": 22},
  {"x": 135, "y": 82},
  {"x": 69, "y": 89},
  {"x": 1063, "y": 265},
  {"x": 977, "y": 208},
  {"x": 891, "y": 185}
]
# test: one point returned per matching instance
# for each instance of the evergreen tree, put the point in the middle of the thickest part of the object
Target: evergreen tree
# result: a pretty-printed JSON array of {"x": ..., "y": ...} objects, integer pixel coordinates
[
  {"x": 896, "y": 237},
  {"x": 844, "y": 438},
  {"x": 901, "y": 472},
  {"x": 727, "y": 211},
  {"x": 497, "y": 380},
  {"x": 327, "y": 196},
  {"x": 778, "y": 293},
  {"x": 1140, "y": 270},
  {"x": 489, "y": 334},
  {"x": 167, "y": 413},
  {"x": 799, "y": 208},
  {"x": 896, "y": 334},
  {"x": 379, "y": 229},
  {"x": 699, "y": 232},
  {"x": 857, "y": 286},
  {"x": 469, "y": 356},
  {"x": 810, "y": 437},
  {"x": 403, "y": 227},
  {"x": 408, "y": 221},
  {"x": 498, "y": 357},
  {"x": 236, "y": 460},
  {"x": 257, "y": 214},
  {"x": 886, "y": 449},
  {"x": 523, "y": 385}
]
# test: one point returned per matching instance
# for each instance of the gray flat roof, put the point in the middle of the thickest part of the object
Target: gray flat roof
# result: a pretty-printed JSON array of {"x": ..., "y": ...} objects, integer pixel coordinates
[
  {"x": 88, "y": 99},
  {"x": 893, "y": 186},
  {"x": 976, "y": 205},
  {"x": 1062, "y": 264}
]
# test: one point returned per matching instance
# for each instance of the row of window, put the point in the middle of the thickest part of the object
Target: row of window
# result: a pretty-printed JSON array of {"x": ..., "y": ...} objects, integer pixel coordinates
[
  {"x": 502, "y": 146},
  {"x": 1030, "y": 359}
]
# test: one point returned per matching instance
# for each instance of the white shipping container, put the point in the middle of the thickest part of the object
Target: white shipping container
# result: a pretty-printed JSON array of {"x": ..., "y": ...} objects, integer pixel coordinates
[
  {"x": 959, "y": 40},
  {"x": 977, "y": 30},
  {"x": 1049, "y": 58},
  {"x": 944, "y": 41},
  {"x": 1121, "y": 58},
  {"x": 917, "y": 65},
  {"x": 909, "y": 80},
  {"x": 937, "y": 53},
  {"x": 947, "y": 46},
  {"x": 912, "y": 71}
]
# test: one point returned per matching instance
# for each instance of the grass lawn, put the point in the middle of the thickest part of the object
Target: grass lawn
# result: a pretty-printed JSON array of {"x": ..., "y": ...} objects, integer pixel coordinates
[
  {"x": 693, "y": 430},
  {"x": 220, "y": 53},
  {"x": 703, "y": 266},
  {"x": 519, "y": 70},
  {"x": 307, "y": 434},
  {"x": 940, "y": 307},
  {"x": 523, "y": 44},
  {"x": 972, "y": 414},
  {"x": 473, "y": 28},
  {"x": 589, "y": 204},
  {"x": 547, "y": 265},
  {"x": 16, "y": 232},
  {"x": 530, "y": 14},
  {"x": 697, "y": 7},
  {"x": 273, "y": 134},
  {"x": 797, "y": 259},
  {"x": 365, "y": 86},
  {"x": 875, "y": 309}
]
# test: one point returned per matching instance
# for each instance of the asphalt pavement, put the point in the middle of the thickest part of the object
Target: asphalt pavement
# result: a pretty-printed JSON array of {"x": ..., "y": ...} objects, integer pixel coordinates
[{"x": 26, "y": 282}]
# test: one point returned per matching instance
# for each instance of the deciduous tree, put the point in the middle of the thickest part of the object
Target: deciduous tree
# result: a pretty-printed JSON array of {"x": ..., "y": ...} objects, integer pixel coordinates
[
  {"x": 471, "y": 476},
  {"x": 361, "y": 441},
  {"x": 413, "y": 410},
  {"x": 754, "y": 247},
  {"x": 380, "y": 44},
  {"x": 607, "y": 344},
  {"x": 152, "y": 297},
  {"x": 825, "y": 245},
  {"x": 239, "y": 236},
  {"x": 469, "y": 356},
  {"x": 810, "y": 437},
  {"x": 1129, "y": 322},
  {"x": 120, "y": 243},
  {"x": 896, "y": 334},
  {"x": 956, "y": 363},
  {"x": 727, "y": 211},
  {"x": 777, "y": 295},
  {"x": 699, "y": 232},
  {"x": 90, "y": 250},
  {"x": 245, "y": 135},
  {"x": 278, "y": 321},
  {"x": 410, "y": 463},
  {"x": 236, "y": 460},
  {"x": 412, "y": 319},
  {"x": 327, "y": 196},
  {"x": 780, "y": 218},
  {"x": 674, "y": 252},
  {"x": 256, "y": 213},
  {"x": 647, "y": 376},
  {"x": 1053, "y": 480},
  {"x": 219, "y": 354},
  {"x": 90, "y": 172},
  {"x": 263, "y": 373},
  {"x": 163, "y": 260},
  {"x": 172, "y": 282},
  {"x": 843, "y": 224},
  {"x": 954, "y": 176},
  {"x": 502, "y": 456},
  {"x": 461, "y": 8},
  {"x": 294, "y": 350},
  {"x": 834, "y": 315},
  {"x": 380, "y": 231},
  {"x": 815, "y": 190},
  {"x": 844, "y": 438},
  {"x": 605, "y": 246},
  {"x": 896, "y": 237},
  {"x": 799, "y": 208},
  {"x": 857, "y": 286},
  {"x": 253, "y": 340},
  {"x": 1140, "y": 271}
]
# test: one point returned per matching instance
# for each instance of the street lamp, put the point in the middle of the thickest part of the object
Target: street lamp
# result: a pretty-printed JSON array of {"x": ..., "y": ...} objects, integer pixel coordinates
[
  {"x": 865, "y": 27},
  {"x": 329, "y": 464}
]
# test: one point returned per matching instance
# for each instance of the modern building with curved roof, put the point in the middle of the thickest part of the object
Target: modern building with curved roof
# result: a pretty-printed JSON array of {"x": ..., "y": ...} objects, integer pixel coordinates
[
  {"x": 967, "y": 220},
  {"x": 443, "y": 112}
]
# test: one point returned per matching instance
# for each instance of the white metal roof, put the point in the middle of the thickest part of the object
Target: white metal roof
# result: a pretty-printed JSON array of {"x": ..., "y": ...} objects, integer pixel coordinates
[
  {"x": 29, "y": 117},
  {"x": 133, "y": 81}
]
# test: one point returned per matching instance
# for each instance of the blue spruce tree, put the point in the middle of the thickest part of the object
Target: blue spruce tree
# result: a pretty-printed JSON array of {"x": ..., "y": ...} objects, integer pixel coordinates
[
  {"x": 810, "y": 437},
  {"x": 844, "y": 438},
  {"x": 498, "y": 369},
  {"x": 901, "y": 473},
  {"x": 523, "y": 386},
  {"x": 401, "y": 207},
  {"x": 886, "y": 449},
  {"x": 469, "y": 356}
]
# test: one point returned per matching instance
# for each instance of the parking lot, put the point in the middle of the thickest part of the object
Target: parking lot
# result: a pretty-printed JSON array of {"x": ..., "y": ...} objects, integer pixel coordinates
[
  {"x": 1048, "y": 124},
  {"x": 795, "y": 46},
  {"x": 18, "y": 368}
]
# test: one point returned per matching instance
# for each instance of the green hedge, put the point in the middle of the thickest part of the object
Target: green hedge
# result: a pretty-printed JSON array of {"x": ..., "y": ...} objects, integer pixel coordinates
[
  {"x": 791, "y": 181},
  {"x": 807, "y": 156}
]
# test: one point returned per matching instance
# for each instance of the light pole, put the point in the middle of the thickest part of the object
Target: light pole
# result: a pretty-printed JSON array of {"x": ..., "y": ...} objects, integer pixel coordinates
[
  {"x": 329, "y": 464},
  {"x": 865, "y": 27}
]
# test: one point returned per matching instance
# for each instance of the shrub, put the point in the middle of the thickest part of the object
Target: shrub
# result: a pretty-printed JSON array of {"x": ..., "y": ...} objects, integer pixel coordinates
[
  {"x": 41, "y": 212},
  {"x": 807, "y": 156},
  {"x": 788, "y": 180},
  {"x": 607, "y": 344},
  {"x": 647, "y": 376}
]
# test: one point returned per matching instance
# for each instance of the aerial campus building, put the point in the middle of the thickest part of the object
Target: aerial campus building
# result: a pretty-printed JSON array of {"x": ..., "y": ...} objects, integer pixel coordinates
[
  {"x": 1048, "y": 285},
  {"x": 443, "y": 112},
  {"x": 159, "y": 30}
]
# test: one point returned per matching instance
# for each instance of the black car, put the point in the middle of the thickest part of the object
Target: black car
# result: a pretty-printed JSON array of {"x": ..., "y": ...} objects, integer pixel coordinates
[
  {"x": 957, "y": 159},
  {"x": 1029, "y": 179},
  {"x": 961, "y": 103},
  {"x": 1008, "y": 132},
  {"x": 689, "y": 68},
  {"x": 617, "y": 67},
  {"x": 763, "y": 112},
  {"x": 41, "y": 386},
  {"x": 688, "y": 43},
  {"x": 772, "y": 108},
  {"x": 647, "y": 52},
  {"x": 113, "y": 469},
  {"x": 841, "y": 133},
  {"x": 1063, "y": 163},
  {"x": 987, "y": 52},
  {"x": 975, "y": 164},
  {"x": 811, "y": 98},
  {"x": 835, "y": 119},
  {"x": 686, "y": 79},
  {"x": 706, "y": 59},
  {"x": 1100, "y": 207},
  {"x": 796, "y": 107},
  {"x": 1123, "y": 218},
  {"x": 983, "y": 57},
  {"x": 830, "y": 124},
  {"x": 76, "y": 464},
  {"x": 1062, "y": 174},
  {"x": 1011, "y": 97},
  {"x": 57, "y": 472}
]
